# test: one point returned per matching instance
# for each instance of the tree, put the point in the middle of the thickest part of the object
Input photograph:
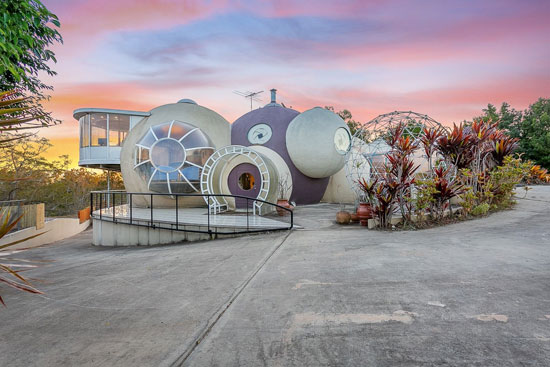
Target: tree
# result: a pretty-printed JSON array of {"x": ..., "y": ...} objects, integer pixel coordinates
[
  {"x": 24, "y": 172},
  {"x": 348, "y": 119},
  {"x": 15, "y": 117},
  {"x": 531, "y": 126},
  {"x": 535, "y": 133},
  {"x": 26, "y": 33},
  {"x": 508, "y": 118},
  {"x": 26, "y": 175}
]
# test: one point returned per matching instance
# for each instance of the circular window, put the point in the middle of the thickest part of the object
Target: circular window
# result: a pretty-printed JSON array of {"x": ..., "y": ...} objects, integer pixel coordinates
[
  {"x": 170, "y": 157},
  {"x": 342, "y": 140},
  {"x": 246, "y": 181},
  {"x": 167, "y": 155}
]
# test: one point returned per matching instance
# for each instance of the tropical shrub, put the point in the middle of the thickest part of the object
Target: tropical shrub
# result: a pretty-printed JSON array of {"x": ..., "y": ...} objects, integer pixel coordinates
[
  {"x": 537, "y": 174},
  {"x": 11, "y": 268},
  {"x": 480, "y": 209},
  {"x": 472, "y": 162}
]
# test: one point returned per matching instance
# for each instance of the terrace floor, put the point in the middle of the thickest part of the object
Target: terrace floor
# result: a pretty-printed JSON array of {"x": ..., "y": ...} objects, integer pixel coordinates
[
  {"x": 475, "y": 293},
  {"x": 196, "y": 217}
]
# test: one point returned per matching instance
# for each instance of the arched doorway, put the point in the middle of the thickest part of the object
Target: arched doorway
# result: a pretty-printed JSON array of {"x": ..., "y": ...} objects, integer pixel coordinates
[{"x": 245, "y": 180}]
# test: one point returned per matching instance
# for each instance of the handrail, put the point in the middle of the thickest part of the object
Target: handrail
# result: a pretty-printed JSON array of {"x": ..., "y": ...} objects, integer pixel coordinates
[{"x": 105, "y": 213}]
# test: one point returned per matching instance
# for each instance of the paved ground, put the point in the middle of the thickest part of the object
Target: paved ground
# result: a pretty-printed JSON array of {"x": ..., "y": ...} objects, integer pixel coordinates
[{"x": 470, "y": 294}]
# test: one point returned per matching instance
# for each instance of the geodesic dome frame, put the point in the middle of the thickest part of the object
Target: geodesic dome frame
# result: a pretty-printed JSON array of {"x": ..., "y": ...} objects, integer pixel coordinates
[{"x": 367, "y": 155}]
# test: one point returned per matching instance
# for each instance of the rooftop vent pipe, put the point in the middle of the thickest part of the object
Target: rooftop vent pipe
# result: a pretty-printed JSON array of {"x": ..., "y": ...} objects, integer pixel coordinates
[{"x": 274, "y": 95}]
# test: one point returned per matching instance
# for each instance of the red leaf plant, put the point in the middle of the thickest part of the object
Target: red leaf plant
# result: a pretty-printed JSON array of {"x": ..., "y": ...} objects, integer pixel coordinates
[{"x": 446, "y": 188}]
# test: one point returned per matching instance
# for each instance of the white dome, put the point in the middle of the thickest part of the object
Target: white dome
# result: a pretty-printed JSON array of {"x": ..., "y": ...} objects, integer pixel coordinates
[
  {"x": 165, "y": 151},
  {"x": 317, "y": 141}
]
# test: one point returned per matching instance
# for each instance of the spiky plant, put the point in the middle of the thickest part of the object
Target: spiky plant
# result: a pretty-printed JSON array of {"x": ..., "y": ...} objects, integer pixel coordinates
[
  {"x": 456, "y": 147},
  {"x": 11, "y": 268},
  {"x": 16, "y": 115},
  {"x": 428, "y": 141},
  {"x": 446, "y": 187}
]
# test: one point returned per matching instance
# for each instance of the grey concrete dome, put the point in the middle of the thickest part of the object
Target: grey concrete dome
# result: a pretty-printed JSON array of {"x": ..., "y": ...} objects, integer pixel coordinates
[{"x": 317, "y": 141}]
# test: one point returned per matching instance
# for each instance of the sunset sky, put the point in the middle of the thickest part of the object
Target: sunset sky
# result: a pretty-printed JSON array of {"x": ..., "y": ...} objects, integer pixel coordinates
[{"x": 447, "y": 59}]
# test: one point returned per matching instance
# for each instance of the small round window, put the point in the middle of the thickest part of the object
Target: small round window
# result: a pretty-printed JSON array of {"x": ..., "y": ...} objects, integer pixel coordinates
[
  {"x": 246, "y": 181},
  {"x": 342, "y": 140}
]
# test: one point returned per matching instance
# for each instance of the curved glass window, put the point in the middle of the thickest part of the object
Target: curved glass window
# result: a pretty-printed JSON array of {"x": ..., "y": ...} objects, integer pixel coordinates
[
  {"x": 119, "y": 125},
  {"x": 103, "y": 129},
  {"x": 85, "y": 131},
  {"x": 170, "y": 157},
  {"x": 98, "y": 124}
]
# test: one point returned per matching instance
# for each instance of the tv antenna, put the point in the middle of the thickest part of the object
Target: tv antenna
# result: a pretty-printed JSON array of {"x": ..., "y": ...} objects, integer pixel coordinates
[{"x": 252, "y": 95}]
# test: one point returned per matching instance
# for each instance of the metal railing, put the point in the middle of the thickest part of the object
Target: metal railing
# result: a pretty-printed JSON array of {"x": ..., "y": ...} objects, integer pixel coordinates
[{"x": 119, "y": 207}]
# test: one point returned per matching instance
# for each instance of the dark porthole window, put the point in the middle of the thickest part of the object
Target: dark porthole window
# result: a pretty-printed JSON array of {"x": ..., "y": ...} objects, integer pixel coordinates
[{"x": 246, "y": 181}]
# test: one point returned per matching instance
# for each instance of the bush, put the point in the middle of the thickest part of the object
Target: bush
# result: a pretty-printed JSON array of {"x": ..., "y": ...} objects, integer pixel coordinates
[{"x": 480, "y": 209}]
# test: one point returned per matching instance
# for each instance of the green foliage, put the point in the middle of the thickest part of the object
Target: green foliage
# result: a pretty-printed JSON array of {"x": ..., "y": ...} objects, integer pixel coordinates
[
  {"x": 531, "y": 126},
  {"x": 348, "y": 119},
  {"x": 508, "y": 118},
  {"x": 15, "y": 115},
  {"x": 424, "y": 198},
  {"x": 26, "y": 175},
  {"x": 503, "y": 180},
  {"x": 26, "y": 34},
  {"x": 480, "y": 209},
  {"x": 535, "y": 133},
  {"x": 495, "y": 189}
]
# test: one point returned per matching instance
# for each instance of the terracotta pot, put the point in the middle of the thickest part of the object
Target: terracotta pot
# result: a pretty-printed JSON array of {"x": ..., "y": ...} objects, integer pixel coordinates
[
  {"x": 364, "y": 212},
  {"x": 343, "y": 217},
  {"x": 354, "y": 218},
  {"x": 284, "y": 203}
]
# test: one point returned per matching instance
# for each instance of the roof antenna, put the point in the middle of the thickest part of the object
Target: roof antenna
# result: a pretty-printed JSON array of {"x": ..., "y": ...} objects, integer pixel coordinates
[{"x": 252, "y": 95}]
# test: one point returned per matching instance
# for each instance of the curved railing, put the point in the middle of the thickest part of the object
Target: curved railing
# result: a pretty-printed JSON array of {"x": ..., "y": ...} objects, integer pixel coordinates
[{"x": 118, "y": 207}]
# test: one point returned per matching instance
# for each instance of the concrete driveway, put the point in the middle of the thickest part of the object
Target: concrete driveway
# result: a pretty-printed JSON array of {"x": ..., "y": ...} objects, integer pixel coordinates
[{"x": 475, "y": 293}]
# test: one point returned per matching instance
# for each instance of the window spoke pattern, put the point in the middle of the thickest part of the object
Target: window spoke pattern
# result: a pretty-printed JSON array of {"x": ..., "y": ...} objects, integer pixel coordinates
[{"x": 170, "y": 157}]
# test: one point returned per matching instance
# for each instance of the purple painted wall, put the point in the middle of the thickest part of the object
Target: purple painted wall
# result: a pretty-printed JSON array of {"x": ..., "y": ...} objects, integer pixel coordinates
[{"x": 306, "y": 190}]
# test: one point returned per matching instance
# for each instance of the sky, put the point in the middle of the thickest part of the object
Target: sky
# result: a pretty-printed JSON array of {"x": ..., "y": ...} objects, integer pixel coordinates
[{"x": 444, "y": 58}]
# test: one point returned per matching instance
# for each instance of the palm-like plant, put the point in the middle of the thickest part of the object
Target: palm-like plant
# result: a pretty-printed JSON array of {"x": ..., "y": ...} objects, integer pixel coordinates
[
  {"x": 503, "y": 147},
  {"x": 456, "y": 147},
  {"x": 446, "y": 187},
  {"x": 429, "y": 140},
  {"x": 11, "y": 268},
  {"x": 16, "y": 115}
]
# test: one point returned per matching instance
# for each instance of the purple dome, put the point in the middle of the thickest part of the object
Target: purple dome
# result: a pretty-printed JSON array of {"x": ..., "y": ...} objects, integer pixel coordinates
[{"x": 306, "y": 190}]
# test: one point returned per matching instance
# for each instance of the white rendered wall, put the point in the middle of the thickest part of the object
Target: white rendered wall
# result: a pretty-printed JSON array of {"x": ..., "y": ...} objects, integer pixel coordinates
[
  {"x": 119, "y": 234},
  {"x": 54, "y": 230},
  {"x": 339, "y": 190}
]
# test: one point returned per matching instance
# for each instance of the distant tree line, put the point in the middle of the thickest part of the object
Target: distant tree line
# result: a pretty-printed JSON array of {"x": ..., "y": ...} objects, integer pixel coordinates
[
  {"x": 26, "y": 175},
  {"x": 531, "y": 127}
]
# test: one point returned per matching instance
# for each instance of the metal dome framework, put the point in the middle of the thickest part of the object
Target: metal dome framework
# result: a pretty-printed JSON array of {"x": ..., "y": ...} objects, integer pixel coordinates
[{"x": 367, "y": 155}]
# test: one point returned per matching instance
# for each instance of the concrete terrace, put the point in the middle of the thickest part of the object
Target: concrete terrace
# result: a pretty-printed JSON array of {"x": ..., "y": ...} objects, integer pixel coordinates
[{"x": 475, "y": 293}]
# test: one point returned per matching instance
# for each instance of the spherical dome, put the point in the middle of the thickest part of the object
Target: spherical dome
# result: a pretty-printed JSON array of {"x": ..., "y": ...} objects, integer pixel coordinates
[
  {"x": 165, "y": 152},
  {"x": 267, "y": 127},
  {"x": 317, "y": 141},
  {"x": 264, "y": 126}
]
